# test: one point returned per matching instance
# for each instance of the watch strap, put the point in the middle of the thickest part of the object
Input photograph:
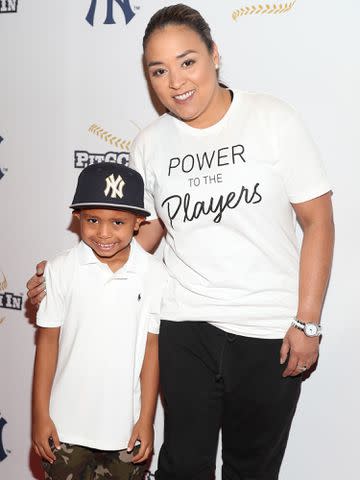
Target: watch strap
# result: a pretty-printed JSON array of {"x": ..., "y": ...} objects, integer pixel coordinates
[
  {"x": 301, "y": 326},
  {"x": 297, "y": 324}
]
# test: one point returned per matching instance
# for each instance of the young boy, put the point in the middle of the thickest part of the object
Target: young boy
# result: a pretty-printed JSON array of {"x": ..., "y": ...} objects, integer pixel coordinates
[{"x": 96, "y": 366}]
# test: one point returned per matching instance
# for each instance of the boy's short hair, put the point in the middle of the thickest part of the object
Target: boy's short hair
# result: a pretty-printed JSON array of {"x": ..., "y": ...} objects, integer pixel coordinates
[{"x": 110, "y": 185}]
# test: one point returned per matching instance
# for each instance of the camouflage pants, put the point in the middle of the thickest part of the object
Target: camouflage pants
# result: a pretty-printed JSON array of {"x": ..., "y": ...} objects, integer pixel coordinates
[{"x": 74, "y": 462}]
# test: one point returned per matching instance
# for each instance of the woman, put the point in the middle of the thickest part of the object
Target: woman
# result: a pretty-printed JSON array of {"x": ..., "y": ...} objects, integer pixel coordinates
[{"x": 225, "y": 173}]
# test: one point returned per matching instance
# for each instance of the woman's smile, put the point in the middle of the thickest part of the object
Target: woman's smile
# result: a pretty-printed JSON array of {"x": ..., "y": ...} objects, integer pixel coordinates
[{"x": 183, "y": 97}]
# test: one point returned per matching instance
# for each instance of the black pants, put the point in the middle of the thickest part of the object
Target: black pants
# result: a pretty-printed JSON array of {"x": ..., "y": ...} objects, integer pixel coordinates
[{"x": 213, "y": 380}]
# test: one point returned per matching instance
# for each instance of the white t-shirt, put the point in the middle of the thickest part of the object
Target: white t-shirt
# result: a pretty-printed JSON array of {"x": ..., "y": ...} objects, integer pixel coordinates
[
  {"x": 224, "y": 194},
  {"x": 104, "y": 319}
]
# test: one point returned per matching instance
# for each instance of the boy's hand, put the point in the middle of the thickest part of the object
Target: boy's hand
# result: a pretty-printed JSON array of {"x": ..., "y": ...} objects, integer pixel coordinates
[
  {"x": 43, "y": 429},
  {"x": 143, "y": 432},
  {"x": 36, "y": 285}
]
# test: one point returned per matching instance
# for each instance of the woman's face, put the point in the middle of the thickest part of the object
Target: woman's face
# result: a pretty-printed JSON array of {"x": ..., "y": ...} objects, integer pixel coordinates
[{"x": 182, "y": 73}]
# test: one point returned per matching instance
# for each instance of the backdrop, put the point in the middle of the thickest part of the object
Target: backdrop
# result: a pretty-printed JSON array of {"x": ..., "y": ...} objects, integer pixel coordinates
[{"x": 72, "y": 92}]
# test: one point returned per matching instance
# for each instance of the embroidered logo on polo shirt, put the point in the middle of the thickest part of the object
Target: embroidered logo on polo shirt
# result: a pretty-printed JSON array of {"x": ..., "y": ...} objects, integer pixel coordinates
[
  {"x": 115, "y": 186},
  {"x": 139, "y": 297}
]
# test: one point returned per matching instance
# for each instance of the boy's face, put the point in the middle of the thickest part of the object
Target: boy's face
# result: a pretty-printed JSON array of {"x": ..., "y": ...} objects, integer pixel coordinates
[{"x": 108, "y": 232}]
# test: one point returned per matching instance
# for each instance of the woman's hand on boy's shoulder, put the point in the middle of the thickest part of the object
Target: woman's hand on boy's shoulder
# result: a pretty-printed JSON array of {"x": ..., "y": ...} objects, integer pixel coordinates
[
  {"x": 143, "y": 432},
  {"x": 36, "y": 285},
  {"x": 43, "y": 428}
]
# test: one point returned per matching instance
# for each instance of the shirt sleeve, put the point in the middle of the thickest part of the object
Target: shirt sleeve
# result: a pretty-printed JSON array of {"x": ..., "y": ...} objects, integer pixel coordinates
[
  {"x": 159, "y": 281},
  {"x": 51, "y": 310},
  {"x": 300, "y": 163},
  {"x": 138, "y": 162}
]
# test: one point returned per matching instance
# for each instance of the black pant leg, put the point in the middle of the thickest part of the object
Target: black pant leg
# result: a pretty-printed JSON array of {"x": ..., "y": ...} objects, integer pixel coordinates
[
  {"x": 189, "y": 362},
  {"x": 259, "y": 405}
]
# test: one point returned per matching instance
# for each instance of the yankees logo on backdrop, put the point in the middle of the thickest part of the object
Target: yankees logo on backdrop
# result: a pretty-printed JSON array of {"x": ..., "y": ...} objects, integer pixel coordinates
[
  {"x": 116, "y": 186},
  {"x": 109, "y": 20},
  {"x": 2, "y": 169},
  {"x": 3, "y": 452}
]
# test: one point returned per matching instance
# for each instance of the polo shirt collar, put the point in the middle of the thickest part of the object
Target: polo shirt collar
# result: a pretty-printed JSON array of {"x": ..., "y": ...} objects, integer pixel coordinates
[{"x": 87, "y": 257}]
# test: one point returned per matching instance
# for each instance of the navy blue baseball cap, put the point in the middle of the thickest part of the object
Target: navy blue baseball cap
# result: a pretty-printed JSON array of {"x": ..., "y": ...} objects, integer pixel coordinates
[{"x": 110, "y": 185}]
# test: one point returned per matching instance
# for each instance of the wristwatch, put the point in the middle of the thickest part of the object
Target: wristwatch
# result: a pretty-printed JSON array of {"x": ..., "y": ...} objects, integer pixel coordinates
[{"x": 310, "y": 329}]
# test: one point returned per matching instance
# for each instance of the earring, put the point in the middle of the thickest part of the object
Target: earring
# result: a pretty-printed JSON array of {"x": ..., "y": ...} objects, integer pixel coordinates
[{"x": 216, "y": 66}]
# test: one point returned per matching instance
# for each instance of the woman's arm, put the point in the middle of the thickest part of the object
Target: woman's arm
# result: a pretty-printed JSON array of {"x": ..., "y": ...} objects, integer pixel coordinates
[
  {"x": 150, "y": 235},
  {"x": 149, "y": 379},
  {"x": 44, "y": 370},
  {"x": 316, "y": 220}
]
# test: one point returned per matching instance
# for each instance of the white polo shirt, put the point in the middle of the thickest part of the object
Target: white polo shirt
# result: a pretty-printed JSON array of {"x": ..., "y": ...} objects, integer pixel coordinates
[{"x": 104, "y": 319}]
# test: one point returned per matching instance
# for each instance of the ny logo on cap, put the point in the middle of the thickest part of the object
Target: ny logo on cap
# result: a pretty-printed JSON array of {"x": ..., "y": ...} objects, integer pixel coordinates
[{"x": 115, "y": 186}]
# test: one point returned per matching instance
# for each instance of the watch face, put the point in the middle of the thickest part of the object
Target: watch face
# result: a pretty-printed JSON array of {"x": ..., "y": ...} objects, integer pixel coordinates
[{"x": 311, "y": 330}]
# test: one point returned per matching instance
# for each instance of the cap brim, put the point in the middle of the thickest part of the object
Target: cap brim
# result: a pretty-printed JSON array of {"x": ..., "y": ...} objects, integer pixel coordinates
[{"x": 112, "y": 206}]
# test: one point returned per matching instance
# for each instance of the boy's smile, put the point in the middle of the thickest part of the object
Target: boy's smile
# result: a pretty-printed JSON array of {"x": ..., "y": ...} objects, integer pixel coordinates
[{"x": 108, "y": 233}]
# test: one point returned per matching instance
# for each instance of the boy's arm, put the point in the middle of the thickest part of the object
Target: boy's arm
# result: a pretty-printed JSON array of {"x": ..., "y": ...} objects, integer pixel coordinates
[
  {"x": 149, "y": 379},
  {"x": 44, "y": 371}
]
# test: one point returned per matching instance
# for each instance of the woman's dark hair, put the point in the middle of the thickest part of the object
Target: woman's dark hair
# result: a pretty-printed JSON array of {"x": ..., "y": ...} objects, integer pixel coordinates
[{"x": 180, "y": 14}]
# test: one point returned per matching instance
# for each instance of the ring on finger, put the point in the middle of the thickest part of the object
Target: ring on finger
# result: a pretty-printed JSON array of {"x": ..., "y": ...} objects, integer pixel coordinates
[{"x": 302, "y": 367}]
